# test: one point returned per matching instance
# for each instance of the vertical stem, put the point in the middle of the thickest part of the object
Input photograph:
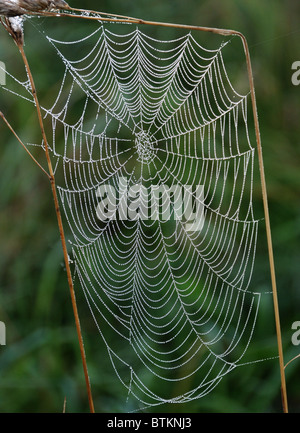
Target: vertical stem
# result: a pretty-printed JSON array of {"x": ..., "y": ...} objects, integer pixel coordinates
[
  {"x": 268, "y": 228},
  {"x": 60, "y": 225}
]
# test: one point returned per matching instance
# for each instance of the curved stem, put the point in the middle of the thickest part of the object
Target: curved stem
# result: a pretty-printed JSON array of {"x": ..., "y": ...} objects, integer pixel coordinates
[
  {"x": 291, "y": 360},
  {"x": 22, "y": 144},
  {"x": 267, "y": 224}
]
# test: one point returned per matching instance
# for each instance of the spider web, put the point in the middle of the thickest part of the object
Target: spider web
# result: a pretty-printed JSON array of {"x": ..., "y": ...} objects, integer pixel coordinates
[{"x": 173, "y": 302}]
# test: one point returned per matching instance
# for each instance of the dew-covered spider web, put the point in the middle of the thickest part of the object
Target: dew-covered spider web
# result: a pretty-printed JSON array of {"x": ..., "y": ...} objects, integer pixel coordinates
[{"x": 155, "y": 168}]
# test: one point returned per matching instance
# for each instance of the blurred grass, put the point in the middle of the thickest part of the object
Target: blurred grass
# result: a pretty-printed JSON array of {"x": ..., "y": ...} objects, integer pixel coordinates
[{"x": 40, "y": 364}]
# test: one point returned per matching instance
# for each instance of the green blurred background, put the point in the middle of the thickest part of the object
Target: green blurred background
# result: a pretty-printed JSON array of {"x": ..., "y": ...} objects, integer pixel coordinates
[{"x": 40, "y": 363}]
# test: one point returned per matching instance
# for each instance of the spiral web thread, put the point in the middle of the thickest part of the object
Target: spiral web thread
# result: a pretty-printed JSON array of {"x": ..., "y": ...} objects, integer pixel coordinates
[{"x": 174, "y": 306}]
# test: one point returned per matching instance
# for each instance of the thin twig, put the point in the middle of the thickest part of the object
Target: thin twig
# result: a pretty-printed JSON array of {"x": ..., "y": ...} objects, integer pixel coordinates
[
  {"x": 291, "y": 360},
  {"x": 21, "y": 142},
  {"x": 122, "y": 19},
  {"x": 19, "y": 42},
  {"x": 88, "y": 11},
  {"x": 61, "y": 230},
  {"x": 267, "y": 224},
  {"x": 65, "y": 404}
]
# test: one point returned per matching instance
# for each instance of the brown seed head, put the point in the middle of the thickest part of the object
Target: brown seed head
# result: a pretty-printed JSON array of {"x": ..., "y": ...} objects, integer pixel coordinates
[{"x": 11, "y": 8}]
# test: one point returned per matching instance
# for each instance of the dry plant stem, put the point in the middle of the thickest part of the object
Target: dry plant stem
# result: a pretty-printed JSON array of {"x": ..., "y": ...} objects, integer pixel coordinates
[
  {"x": 61, "y": 230},
  {"x": 85, "y": 11},
  {"x": 130, "y": 20},
  {"x": 65, "y": 404},
  {"x": 268, "y": 227},
  {"x": 20, "y": 141}
]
